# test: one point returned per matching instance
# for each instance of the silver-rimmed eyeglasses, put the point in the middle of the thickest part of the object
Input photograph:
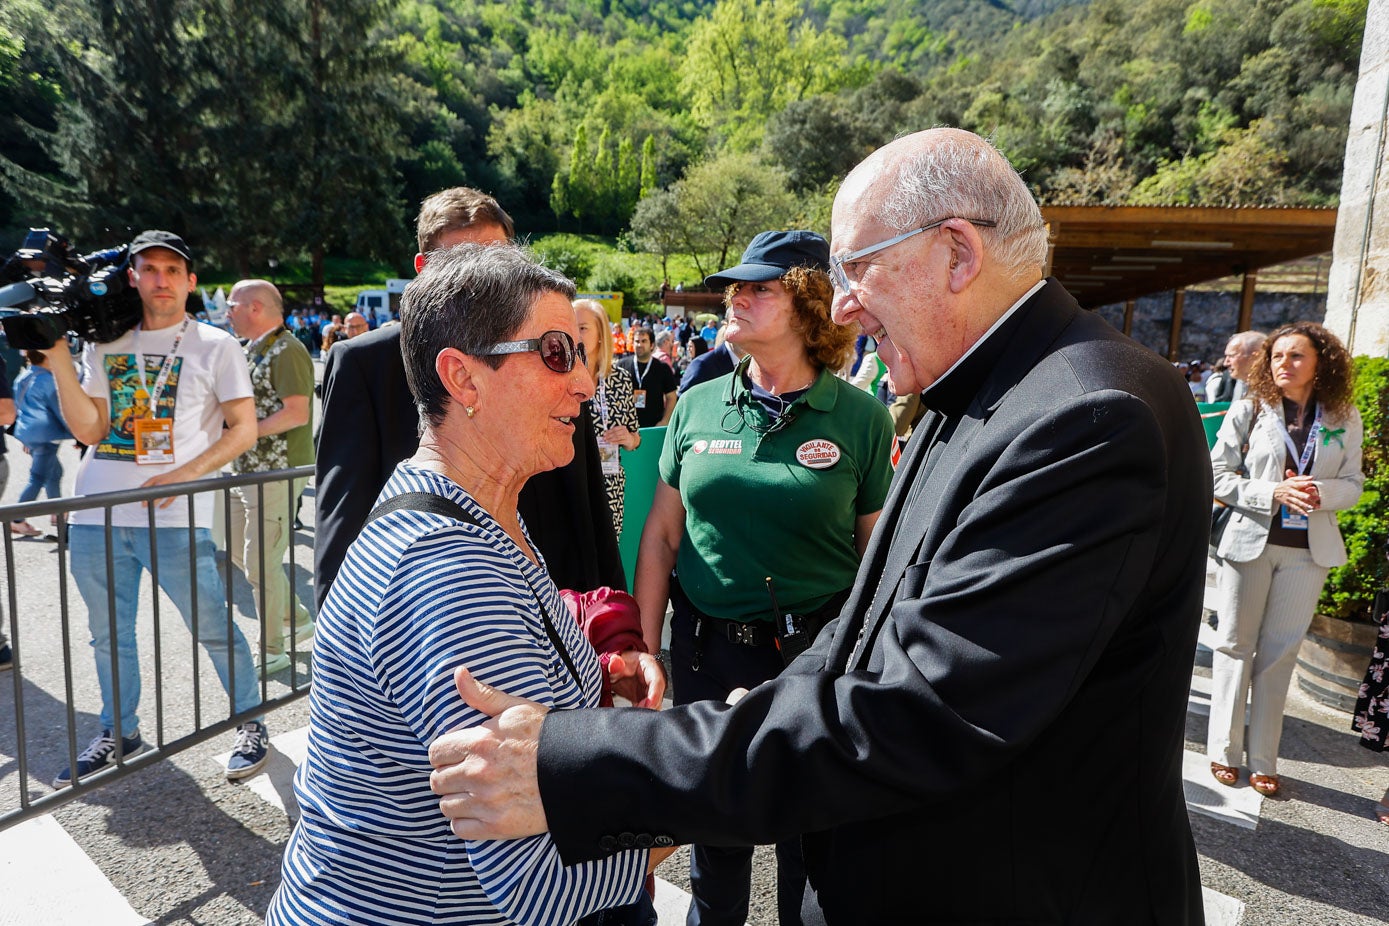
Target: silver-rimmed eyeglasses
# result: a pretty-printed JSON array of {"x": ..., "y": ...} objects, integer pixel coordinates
[
  {"x": 556, "y": 349},
  {"x": 839, "y": 275}
]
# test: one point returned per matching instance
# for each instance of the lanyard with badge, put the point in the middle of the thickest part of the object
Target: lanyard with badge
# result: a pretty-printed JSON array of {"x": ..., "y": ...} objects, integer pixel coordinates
[
  {"x": 1290, "y": 519},
  {"x": 607, "y": 451},
  {"x": 154, "y": 437},
  {"x": 639, "y": 394}
]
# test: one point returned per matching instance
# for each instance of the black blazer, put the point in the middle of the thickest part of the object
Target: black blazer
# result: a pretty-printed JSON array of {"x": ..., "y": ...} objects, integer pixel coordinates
[
  {"x": 992, "y": 731},
  {"x": 709, "y": 365},
  {"x": 370, "y": 423}
]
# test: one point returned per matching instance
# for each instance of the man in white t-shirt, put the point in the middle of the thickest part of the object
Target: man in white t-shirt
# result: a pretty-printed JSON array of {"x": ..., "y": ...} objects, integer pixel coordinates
[{"x": 151, "y": 407}]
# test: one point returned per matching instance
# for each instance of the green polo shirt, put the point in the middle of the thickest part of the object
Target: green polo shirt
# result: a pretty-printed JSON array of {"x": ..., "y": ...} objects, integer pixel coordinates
[{"x": 773, "y": 501}]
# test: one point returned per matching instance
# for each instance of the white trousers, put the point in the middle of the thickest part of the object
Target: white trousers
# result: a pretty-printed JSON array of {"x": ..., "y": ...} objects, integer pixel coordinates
[
  {"x": 1265, "y": 609},
  {"x": 281, "y": 611}
]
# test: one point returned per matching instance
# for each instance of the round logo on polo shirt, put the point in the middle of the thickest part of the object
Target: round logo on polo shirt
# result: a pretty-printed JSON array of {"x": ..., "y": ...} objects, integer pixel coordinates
[
  {"x": 699, "y": 446},
  {"x": 818, "y": 453}
]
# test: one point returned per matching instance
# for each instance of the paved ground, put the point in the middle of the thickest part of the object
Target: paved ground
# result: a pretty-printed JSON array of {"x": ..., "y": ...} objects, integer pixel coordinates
[{"x": 177, "y": 844}]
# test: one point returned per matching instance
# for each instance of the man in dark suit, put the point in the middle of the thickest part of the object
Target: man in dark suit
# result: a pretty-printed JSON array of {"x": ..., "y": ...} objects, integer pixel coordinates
[
  {"x": 370, "y": 424},
  {"x": 992, "y": 730}
]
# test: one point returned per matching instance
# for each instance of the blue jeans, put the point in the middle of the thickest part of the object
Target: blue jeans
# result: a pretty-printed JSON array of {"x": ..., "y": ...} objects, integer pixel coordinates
[
  {"x": 45, "y": 472},
  {"x": 130, "y": 555}
]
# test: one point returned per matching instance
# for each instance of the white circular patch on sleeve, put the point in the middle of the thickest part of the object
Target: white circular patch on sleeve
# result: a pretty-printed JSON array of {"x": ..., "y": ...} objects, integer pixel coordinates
[{"x": 818, "y": 453}]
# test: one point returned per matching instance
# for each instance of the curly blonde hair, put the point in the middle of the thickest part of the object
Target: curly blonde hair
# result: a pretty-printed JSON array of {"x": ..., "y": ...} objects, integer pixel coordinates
[
  {"x": 827, "y": 343},
  {"x": 1335, "y": 374}
]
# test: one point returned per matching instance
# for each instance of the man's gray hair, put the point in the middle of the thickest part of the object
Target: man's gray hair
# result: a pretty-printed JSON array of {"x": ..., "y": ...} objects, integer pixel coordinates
[
  {"x": 469, "y": 298},
  {"x": 970, "y": 179},
  {"x": 1246, "y": 342}
]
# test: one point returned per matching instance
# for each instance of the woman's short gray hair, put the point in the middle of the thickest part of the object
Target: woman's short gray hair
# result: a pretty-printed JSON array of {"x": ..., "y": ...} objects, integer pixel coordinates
[
  {"x": 469, "y": 298},
  {"x": 966, "y": 177}
]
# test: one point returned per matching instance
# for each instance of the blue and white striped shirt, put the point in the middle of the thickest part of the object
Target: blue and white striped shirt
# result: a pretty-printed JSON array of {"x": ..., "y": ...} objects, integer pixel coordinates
[{"x": 419, "y": 595}]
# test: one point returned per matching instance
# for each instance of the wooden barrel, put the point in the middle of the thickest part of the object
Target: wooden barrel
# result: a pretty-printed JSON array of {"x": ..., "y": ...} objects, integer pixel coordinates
[{"x": 1332, "y": 659}]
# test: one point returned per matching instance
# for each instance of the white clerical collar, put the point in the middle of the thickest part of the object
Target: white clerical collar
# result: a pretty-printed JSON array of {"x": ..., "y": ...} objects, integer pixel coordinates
[{"x": 992, "y": 328}]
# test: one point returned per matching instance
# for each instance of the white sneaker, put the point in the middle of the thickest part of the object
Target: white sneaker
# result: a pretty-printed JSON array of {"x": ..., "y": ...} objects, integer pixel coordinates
[
  {"x": 274, "y": 662},
  {"x": 303, "y": 633}
]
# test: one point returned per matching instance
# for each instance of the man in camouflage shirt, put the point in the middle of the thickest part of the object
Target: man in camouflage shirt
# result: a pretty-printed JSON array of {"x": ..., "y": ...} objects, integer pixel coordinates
[{"x": 282, "y": 378}]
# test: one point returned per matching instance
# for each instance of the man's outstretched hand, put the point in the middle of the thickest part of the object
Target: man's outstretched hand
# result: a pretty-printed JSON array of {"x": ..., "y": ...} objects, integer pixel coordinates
[{"x": 485, "y": 776}]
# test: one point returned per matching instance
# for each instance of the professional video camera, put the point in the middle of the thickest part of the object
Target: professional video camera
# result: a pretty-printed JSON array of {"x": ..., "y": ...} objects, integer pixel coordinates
[{"x": 46, "y": 290}]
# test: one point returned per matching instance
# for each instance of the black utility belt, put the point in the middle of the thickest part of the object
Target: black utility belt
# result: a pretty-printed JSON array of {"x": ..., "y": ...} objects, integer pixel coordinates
[{"x": 746, "y": 633}]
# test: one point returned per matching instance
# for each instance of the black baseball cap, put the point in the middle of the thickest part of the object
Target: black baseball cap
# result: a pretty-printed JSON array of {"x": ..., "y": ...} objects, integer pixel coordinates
[
  {"x": 772, "y": 253},
  {"x": 154, "y": 238}
]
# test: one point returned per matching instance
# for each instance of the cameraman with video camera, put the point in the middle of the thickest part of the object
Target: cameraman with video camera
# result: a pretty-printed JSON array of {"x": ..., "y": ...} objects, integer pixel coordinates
[{"x": 151, "y": 409}]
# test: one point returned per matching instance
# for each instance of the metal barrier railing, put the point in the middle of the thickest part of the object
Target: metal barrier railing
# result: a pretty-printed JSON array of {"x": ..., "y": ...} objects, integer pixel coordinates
[{"x": 173, "y": 731}]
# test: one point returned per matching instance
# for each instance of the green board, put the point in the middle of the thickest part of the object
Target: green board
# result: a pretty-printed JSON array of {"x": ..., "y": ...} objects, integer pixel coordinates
[
  {"x": 640, "y": 465},
  {"x": 1212, "y": 413}
]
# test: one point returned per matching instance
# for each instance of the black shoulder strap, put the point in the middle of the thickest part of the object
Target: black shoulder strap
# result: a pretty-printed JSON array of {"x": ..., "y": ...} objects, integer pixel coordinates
[
  {"x": 423, "y": 501},
  {"x": 431, "y": 503}
]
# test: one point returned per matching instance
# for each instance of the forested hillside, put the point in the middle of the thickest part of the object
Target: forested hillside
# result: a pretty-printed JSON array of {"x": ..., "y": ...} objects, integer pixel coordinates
[{"x": 275, "y": 127}]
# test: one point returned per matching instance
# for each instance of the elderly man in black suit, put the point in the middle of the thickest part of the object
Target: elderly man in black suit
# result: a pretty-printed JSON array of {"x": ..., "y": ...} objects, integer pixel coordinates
[
  {"x": 992, "y": 730},
  {"x": 370, "y": 424}
]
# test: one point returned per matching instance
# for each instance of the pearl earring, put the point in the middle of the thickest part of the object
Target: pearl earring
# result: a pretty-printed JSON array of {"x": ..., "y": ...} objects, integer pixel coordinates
[{"x": 470, "y": 410}]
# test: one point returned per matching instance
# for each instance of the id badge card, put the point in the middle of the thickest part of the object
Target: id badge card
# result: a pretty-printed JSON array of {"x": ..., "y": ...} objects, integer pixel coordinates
[
  {"x": 639, "y": 397},
  {"x": 154, "y": 440},
  {"x": 1292, "y": 521},
  {"x": 608, "y": 454}
]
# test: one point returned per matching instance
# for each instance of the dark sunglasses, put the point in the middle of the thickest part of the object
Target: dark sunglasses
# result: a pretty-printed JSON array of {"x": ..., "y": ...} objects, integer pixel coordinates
[{"x": 556, "y": 348}]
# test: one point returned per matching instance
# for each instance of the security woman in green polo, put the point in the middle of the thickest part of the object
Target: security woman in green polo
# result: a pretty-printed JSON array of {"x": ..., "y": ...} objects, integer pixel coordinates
[{"x": 772, "y": 478}]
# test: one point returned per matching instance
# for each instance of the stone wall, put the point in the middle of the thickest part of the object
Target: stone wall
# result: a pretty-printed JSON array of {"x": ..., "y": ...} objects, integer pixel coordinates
[
  {"x": 1209, "y": 318},
  {"x": 1358, "y": 288}
]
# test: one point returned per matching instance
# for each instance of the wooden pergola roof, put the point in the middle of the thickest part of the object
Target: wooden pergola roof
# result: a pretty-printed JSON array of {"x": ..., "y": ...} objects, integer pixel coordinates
[{"x": 1110, "y": 254}]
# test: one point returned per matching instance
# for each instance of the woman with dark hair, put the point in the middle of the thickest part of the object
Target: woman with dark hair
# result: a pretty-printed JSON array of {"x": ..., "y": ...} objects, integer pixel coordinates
[
  {"x": 771, "y": 480},
  {"x": 1287, "y": 458},
  {"x": 443, "y": 577}
]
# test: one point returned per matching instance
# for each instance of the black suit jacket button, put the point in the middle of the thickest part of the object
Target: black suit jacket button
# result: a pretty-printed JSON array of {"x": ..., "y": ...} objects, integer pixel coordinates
[
  {"x": 626, "y": 840},
  {"x": 664, "y": 842},
  {"x": 608, "y": 844},
  {"x": 645, "y": 840}
]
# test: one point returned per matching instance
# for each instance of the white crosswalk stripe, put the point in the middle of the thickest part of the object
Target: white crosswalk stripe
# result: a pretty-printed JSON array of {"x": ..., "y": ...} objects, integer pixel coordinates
[{"x": 49, "y": 879}]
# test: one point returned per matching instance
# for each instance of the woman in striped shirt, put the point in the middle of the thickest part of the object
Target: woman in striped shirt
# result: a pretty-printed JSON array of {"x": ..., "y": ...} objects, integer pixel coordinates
[{"x": 427, "y": 588}]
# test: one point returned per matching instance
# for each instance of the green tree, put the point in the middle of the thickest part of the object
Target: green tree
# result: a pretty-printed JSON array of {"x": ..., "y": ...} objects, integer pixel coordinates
[
  {"x": 1246, "y": 169},
  {"x": 32, "y": 186},
  {"x": 656, "y": 227},
  {"x": 647, "y": 181},
  {"x": 347, "y": 187},
  {"x": 627, "y": 182},
  {"x": 749, "y": 59},
  {"x": 723, "y": 202}
]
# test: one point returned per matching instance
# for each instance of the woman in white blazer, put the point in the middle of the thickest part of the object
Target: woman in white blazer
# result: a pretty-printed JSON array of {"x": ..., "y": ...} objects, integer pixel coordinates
[{"x": 1301, "y": 467}]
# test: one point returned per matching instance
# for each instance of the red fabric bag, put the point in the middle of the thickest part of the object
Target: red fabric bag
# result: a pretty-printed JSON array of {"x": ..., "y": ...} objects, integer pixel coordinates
[{"x": 611, "y": 621}]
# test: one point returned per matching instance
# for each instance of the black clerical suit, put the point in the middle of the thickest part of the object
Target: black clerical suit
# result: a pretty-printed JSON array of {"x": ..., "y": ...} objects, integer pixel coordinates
[
  {"x": 370, "y": 423},
  {"x": 992, "y": 731}
]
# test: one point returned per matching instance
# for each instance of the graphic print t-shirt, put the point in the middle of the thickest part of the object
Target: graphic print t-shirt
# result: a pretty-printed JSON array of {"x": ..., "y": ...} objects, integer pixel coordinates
[{"x": 207, "y": 371}]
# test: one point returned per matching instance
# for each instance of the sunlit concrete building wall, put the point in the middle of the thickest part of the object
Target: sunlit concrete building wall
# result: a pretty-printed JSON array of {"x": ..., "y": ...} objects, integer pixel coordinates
[{"x": 1358, "y": 290}]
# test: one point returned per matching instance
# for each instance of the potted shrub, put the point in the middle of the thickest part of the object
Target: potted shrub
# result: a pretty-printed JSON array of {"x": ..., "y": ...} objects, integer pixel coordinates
[{"x": 1332, "y": 660}]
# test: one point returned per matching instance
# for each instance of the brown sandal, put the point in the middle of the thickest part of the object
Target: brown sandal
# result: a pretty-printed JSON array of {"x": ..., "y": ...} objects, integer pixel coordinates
[
  {"x": 1267, "y": 785},
  {"x": 1225, "y": 774}
]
